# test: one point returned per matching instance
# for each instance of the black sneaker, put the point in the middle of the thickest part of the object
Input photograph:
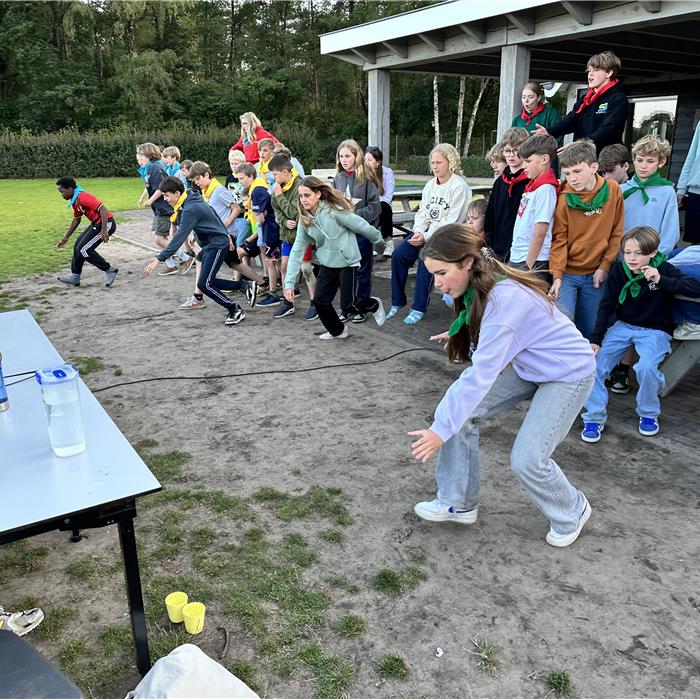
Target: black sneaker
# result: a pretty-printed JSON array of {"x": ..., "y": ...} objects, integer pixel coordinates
[
  {"x": 234, "y": 317},
  {"x": 285, "y": 309},
  {"x": 619, "y": 382},
  {"x": 359, "y": 318},
  {"x": 344, "y": 316},
  {"x": 311, "y": 313},
  {"x": 251, "y": 293}
]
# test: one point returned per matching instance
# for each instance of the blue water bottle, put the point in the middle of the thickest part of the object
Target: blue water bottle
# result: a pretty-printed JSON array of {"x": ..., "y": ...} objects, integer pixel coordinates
[{"x": 4, "y": 401}]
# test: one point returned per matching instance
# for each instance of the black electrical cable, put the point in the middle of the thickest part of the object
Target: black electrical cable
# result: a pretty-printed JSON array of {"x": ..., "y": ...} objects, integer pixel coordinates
[{"x": 269, "y": 371}]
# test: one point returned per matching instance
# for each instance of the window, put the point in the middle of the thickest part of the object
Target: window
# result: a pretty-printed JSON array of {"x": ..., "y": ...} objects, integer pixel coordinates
[{"x": 653, "y": 115}]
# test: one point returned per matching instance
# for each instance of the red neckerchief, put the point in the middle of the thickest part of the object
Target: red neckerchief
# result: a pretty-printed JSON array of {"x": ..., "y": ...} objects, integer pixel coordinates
[
  {"x": 527, "y": 117},
  {"x": 513, "y": 180},
  {"x": 592, "y": 95},
  {"x": 548, "y": 178},
  {"x": 349, "y": 172}
]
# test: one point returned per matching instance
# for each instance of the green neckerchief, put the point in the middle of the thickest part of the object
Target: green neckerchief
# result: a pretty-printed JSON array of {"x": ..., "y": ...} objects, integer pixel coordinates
[
  {"x": 632, "y": 285},
  {"x": 575, "y": 202},
  {"x": 654, "y": 181},
  {"x": 464, "y": 315}
]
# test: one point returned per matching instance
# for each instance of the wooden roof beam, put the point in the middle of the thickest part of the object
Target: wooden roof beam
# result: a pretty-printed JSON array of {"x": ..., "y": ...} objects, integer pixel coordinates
[
  {"x": 651, "y": 6},
  {"x": 398, "y": 48},
  {"x": 475, "y": 30},
  {"x": 582, "y": 12},
  {"x": 523, "y": 20},
  {"x": 367, "y": 53},
  {"x": 435, "y": 40}
]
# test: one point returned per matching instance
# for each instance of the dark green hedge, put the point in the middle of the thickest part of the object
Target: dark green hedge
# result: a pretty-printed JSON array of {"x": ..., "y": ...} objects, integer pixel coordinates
[{"x": 472, "y": 166}]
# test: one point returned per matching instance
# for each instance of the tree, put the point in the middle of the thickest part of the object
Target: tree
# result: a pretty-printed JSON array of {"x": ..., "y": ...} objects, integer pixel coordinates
[
  {"x": 460, "y": 112},
  {"x": 484, "y": 83},
  {"x": 436, "y": 110}
]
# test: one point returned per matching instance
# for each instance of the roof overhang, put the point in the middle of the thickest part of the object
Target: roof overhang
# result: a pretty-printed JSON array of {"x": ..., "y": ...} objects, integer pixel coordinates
[{"x": 655, "y": 40}]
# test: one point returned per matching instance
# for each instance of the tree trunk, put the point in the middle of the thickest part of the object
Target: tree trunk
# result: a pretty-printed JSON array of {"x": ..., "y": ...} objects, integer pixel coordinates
[
  {"x": 460, "y": 112},
  {"x": 436, "y": 110},
  {"x": 485, "y": 82}
]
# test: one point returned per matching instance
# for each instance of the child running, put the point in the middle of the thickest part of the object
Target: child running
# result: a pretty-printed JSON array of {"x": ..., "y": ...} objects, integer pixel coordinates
[
  {"x": 326, "y": 220},
  {"x": 101, "y": 227},
  {"x": 195, "y": 215},
  {"x": 639, "y": 295},
  {"x": 524, "y": 348}
]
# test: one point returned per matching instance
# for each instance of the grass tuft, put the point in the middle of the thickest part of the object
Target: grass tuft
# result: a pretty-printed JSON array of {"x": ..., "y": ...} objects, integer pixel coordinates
[
  {"x": 351, "y": 626},
  {"x": 487, "y": 653},
  {"x": 167, "y": 466},
  {"x": 392, "y": 666},
  {"x": 87, "y": 365},
  {"x": 20, "y": 558},
  {"x": 244, "y": 669},
  {"x": 87, "y": 569},
  {"x": 55, "y": 622},
  {"x": 333, "y": 674},
  {"x": 332, "y": 535},
  {"x": 558, "y": 681},
  {"x": 316, "y": 501}
]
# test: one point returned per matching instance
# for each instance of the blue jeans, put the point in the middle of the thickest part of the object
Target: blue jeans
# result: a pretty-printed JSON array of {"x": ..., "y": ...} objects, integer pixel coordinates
[
  {"x": 554, "y": 407},
  {"x": 579, "y": 300},
  {"x": 403, "y": 258},
  {"x": 651, "y": 346},
  {"x": 242, "y": 228}
]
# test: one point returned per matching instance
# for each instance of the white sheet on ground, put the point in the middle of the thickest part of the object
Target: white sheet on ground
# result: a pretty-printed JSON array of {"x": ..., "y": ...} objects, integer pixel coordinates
[{"x": 187, "y": 672}]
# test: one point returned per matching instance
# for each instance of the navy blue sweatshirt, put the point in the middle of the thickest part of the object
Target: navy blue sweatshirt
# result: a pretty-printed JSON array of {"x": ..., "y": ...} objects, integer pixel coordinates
[
  {"x": 196, "y": 215},
  {"x": 651, "y": 308},
  {"x": 501, "y": 211}
]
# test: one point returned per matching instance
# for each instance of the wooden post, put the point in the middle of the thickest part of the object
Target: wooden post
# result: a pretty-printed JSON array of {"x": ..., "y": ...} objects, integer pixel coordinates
[
  {"x": 379, "y": 109},
  {"x": 515, "y": 70}
]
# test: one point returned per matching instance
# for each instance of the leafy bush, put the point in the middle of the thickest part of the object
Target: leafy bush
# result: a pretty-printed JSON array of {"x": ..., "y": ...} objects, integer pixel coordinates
[
  {"x": 472, "y": 166},
  {"x": 104, "y": 153}
]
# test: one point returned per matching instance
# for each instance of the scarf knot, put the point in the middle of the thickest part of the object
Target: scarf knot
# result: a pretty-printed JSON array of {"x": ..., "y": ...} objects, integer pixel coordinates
[
  {"x": 654, "y": 180},
  {"x": 595, "y": 205},
  {"x": 527, "y": 117},
  {"x": 632, "y": 285},
  {"x": 78, "y": 189},
  {"x": 512, "y": 181},
  {"x": 592, "y": 95},
  {"x": 464, "y": 316}
]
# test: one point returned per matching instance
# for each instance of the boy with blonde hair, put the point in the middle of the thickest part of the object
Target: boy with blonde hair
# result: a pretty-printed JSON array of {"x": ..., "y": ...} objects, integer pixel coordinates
[
  {"x": 265, "y": 149},
  {"x": 586, "y": 235},
  {"x": 650, "y": 200},
  {"x": 171, "y": 160}
]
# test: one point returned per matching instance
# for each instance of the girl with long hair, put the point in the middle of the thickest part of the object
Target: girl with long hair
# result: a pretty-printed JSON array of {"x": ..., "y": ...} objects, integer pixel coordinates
[
  {"x": 252, "y": 133},
  {"x": 326, "y": 220},
  {"x": 522, "y": 347},
  {"x": 359, "y": 183},
  {"x": 387, "y": 183}
]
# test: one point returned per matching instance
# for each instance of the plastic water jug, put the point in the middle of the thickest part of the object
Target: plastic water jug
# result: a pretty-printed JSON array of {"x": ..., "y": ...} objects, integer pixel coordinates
[{"x": 60, "y": 389}]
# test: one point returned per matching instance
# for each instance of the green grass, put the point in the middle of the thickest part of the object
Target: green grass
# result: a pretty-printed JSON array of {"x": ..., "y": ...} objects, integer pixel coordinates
[
  {"x": 395, "y": 582},
  {"x": 488, "y": 655},
  {"x": 35, "y": 217},
  {"x": 559, "y": 682},
  {"x": 87, "y": 569},
  {"x": 87, "y": 365},
  {"x": 246, "y": 671},
  {"x": 56, "y": 621},
  {"x": 316, "y": 501},
  {"x": 333, "y": 673},
  {"x": 392, "y": 667},
  {"x": 20, "y": 558},
  {"x": 351, "y": 626}
]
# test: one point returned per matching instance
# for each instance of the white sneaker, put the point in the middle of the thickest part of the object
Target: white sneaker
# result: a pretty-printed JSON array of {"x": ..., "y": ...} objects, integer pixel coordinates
[
  {"x": 192, "y": 303},
  {"x": 379, "y": 314},
  {"x": 687, "y": 331},
  {"x": 389, "y": 248},
  {"x": 438, "y": 512},
  {"x": 557, "y": 540},
  {"x": 328, "y": 336},
  {"x": 21, "y": 622}
]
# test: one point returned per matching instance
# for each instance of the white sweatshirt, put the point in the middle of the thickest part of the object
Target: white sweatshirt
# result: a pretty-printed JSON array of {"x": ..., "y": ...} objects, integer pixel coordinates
[{"x": 442, "y": 204}]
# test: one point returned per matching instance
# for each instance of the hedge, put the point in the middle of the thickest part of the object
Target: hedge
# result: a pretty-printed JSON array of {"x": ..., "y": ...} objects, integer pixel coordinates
[{"x": 472, "y": 166}]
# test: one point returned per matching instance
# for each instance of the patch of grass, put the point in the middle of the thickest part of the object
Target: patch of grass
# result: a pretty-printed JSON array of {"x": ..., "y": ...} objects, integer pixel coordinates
[
  {"x": 351, "y": 626},
  {"x": 316, "y": 501},
  {"x": 145, "y": 444},
  {"x": 558, "y": 681},
  {"x": 248, "y": 610},
  {"x": 49, "y": 220},
  {"x": 488, "y": 655},
  {"x": 296, "y": 550},
  {"x": 333, "y": 674},
  {"x": 392, "y": 666},
  {"x": 92, "y": 669},
  {"x": 216, "y": 501},
  {"x": 162, "y": 642},
  {"x": 332, "y": 535},
  {"x": 416, "y": 556},
  {"x": 87, "y": 569},
  {"x": 118, "y": 371},
  {"x": 116, "y": 639},
  {"x": 246, "y": 671},
  {"x": 396, "y": 582},
  {"x": 55, "y": 622},
  {"x": 11, "y": 301},
  {"x": 24, "y": 604},
  {"x": 86, "y": 364},
  {"x": 20, "y": 558},
  {"x": 167, "y": 466},
  {"x": 201, "y": 538},
  {"x": 296, "y": 472},
  {"x": 341, "y": 582}
]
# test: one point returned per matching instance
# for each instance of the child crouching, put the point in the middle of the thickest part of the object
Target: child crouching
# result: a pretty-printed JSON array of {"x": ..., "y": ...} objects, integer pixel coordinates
[{"x": 639, "y": 293}]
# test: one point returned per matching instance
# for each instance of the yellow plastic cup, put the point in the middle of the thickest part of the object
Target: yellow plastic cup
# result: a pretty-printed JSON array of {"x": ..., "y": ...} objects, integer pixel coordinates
[
  {"x": 175, "y": 602},
  {"x": 194, "y": 617}
]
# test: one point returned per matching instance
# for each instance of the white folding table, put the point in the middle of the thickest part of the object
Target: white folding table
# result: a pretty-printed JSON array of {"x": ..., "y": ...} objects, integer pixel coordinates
[{"x": 42, "y": 492}]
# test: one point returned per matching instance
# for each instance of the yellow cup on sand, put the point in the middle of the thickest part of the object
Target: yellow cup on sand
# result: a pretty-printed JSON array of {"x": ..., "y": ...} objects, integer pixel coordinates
[
  {"x": 194, "y": 617},
  {"x": 175, "y": 602}
]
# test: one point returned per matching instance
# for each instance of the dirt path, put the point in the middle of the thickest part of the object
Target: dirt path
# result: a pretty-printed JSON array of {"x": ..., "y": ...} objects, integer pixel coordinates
[{"x": 618, "y": 610}]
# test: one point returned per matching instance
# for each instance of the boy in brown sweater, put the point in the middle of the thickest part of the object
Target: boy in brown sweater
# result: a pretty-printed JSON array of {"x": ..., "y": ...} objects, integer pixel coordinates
[{"x": 588, "y": 224}]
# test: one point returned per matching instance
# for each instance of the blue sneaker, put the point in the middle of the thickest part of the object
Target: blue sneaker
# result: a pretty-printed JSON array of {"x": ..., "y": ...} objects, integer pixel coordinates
[
  {"x": 270, "y": 300},
  {"x": 591, "y": 432},
  {"x": 648, "y": 426}
]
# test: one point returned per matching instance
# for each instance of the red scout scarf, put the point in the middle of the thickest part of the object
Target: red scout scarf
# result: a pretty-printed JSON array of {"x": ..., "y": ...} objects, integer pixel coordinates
[
  {"x": 513, "y": 180},
  {"x": 527, "y": 116},
  {"x": 592, "y": 95},
  {"x": 548, "y": 178}
]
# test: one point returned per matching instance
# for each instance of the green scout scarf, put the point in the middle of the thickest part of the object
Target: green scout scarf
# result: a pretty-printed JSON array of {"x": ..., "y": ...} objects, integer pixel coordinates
[
  {"x": 595, "y": 205},
  {"x": 464, "y": 316},
  {"x": 654, "y": 181},
  {"x": 632, "y": 285}
]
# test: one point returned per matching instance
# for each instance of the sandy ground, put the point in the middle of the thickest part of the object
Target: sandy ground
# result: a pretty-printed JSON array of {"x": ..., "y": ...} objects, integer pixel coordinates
[{"x": 618, "y": 610}]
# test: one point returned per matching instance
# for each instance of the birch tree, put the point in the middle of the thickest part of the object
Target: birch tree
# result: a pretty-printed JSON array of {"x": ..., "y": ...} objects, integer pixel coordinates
[
  {"x": 436, "y": 110},
  {"x": 484, "y": 83},
  {"x": 460, "y": 112}
]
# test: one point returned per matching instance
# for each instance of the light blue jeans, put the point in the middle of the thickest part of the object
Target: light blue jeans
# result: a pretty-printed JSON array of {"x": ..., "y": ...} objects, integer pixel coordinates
[
  {"x": 579, "y": 300},
  {"x": 554, "y": 407},
  {"x": 242, "y": 228},
  {"x": 651, "y": 346}
]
